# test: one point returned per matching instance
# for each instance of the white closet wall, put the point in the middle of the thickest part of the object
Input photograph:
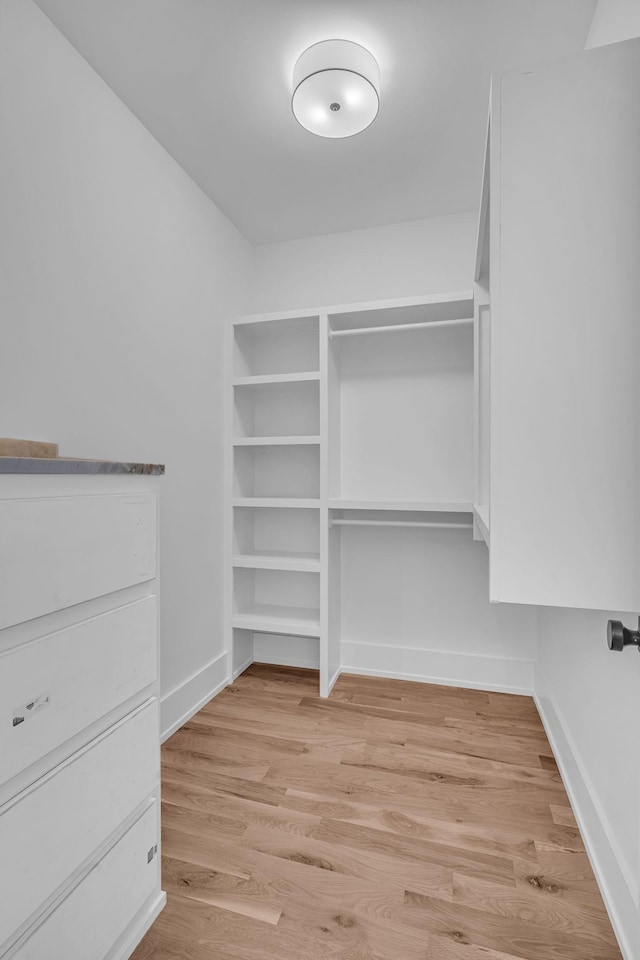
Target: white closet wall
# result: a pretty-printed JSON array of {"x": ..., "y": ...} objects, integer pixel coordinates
[
  {"x": 396, "y": 260},
  {"x": 116, "y": 277}
]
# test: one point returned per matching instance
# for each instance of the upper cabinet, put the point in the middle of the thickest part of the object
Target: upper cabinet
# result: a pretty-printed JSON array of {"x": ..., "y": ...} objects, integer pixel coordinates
[{"x": 558, "y": 333}]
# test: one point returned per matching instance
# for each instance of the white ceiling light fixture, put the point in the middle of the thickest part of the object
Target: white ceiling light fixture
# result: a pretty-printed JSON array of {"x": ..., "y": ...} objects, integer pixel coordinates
[{"x": 336, "y": 88}]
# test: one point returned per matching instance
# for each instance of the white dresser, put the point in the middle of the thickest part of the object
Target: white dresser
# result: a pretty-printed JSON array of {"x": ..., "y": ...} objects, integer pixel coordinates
[{"x": 79, "y": 724}]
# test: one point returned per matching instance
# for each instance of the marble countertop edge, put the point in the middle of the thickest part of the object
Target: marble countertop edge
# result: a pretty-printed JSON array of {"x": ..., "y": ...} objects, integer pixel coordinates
[{"x": 57, "y": 465}]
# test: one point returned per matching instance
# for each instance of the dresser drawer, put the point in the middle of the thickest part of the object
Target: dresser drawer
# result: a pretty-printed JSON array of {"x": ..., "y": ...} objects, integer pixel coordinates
[
  {"x": 54, "y": 687},
  {"x": 59, "y": 551},
  {"x": 50, "y": 830},
  {"x": 89, "y": 921}
]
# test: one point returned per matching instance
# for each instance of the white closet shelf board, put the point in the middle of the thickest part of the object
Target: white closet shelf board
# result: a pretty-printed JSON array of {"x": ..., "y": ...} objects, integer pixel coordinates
[
  {"x": 268, "y": 379},
  {"x": 419, "y": 506},
  {"x": 414, "y": 313},
  {"x": 306, "y": 562},
  {"x": 337, "y": 311},
  {"x": 285, "y": 502},
  {"x": 276, "y": 441},
  {"x": 273, "y": 618},
  {"x": 268, "y": 324}
]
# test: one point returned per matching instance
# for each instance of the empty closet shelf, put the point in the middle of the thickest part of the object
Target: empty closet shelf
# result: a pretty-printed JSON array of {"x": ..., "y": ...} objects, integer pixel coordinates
[
  {"x": 415, "y": 506},
  {"x": 271, "y": 378},
  {"x": 270, "y": 618},
  {"x": 285, "y": 502},
  {"x": 306, "y": 562},
  {"x": 276, "y": 441}
]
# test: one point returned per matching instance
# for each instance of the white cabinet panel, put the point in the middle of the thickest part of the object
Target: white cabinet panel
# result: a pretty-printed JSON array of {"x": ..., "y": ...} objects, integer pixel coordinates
[
  {"x": 89, "y": 921},
  {"x": 59, "y": 551},
  {"x": 50, "y": 830},
  {"x": 54, "y": 687},
  {"x": 565, "y": 251}
]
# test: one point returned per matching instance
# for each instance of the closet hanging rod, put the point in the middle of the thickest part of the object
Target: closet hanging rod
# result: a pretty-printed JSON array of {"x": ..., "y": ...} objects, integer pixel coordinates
[
  {"x": 399, "y": 327},
  {"x": 400, "y": 523}
]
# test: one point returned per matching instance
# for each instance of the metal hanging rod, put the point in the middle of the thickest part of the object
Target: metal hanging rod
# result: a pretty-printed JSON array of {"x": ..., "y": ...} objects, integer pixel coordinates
[
  {"x": 401, "y": 523},
  {"x": 356, "y": 331}
]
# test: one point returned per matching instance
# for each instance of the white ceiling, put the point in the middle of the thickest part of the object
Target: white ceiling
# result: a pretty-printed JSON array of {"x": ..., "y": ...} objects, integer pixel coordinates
[{"x": 211, "y": 80}]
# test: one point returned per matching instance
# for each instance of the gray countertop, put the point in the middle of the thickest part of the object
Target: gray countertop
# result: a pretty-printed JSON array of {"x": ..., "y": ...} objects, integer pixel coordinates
[{"x": 66, "y": 465}]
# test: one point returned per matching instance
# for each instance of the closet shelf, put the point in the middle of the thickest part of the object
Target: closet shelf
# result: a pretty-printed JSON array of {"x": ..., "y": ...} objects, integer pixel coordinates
[
  {"x": 417, "y": 506},
  {"x": 286, "y": 502},
  {"x": 272, "y": 618},
  {"x": 290, "y": 320},
  {"x": 433, "y": 524},
  {"x": 269, "y": 378},
  {"x": 304, "y": 562},
  {"x": 400, "y": 327},
  {"x": 284, "y": 441}
]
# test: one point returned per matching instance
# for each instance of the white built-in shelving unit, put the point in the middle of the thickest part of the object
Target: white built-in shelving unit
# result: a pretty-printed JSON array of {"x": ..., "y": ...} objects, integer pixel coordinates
[
  {"x": 273, "y": 480},
  {"x": 341, "y": 419}
]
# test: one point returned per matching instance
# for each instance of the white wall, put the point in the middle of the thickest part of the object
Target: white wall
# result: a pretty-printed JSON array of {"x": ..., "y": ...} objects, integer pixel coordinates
[
  {"x": 401, "y": 260},
  {"x": 116, "y": 273},
  {"x": 415, "y": 606},
  {"x": 590, "y": 698}
]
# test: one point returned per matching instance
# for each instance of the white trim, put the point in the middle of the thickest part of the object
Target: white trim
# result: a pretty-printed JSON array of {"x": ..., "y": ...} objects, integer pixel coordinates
[
  {"x": 286, "y": 661},
  {"x": 495, "y": 674},
  {"x": 241, "y": 669},
  {"x": 619, "y": 890},
  {"x": 180, "y": 704},
  {"x": 142, "y": 923},
  {"x": 332, "y": 680}
]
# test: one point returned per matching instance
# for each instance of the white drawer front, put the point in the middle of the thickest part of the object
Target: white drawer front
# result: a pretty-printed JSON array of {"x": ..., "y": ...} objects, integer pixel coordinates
[
  {"x": 59, "y": 551},
  {"x": 48, "y": 832},
  {"x": 89, "y": 921},
  {"x": 72, "y": 678}
]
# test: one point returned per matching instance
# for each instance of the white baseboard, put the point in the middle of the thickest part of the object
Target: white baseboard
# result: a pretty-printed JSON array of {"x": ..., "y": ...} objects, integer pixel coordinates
[
  {"x": 334, "y": 678},
  {"x": 433, "y": 666},
  {"x": 278, "y": 661},
  {"x": 137, "y": 929},
  {"x": 241, "y": 669},
  {"x": 191, "y": 695},
  {"x": 619, "y": 891}
]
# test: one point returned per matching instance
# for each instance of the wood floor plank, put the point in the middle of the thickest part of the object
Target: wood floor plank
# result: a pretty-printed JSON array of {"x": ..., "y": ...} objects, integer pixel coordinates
[
  {"x": 393, "y": 821},
  {"x": 506, "y": 934},
  {"x": 251, "y": 897},
  {"x": 541, "y": 904},
  {"x": 432, "y": 878}
]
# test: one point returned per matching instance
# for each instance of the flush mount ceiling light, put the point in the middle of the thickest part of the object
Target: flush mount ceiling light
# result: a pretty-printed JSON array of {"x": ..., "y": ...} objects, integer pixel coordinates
[{"x": 336, "y": 88}]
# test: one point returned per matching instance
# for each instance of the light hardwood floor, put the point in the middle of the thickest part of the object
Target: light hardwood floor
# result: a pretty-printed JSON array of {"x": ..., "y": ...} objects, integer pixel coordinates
[{"x": 394, "y": 821}]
